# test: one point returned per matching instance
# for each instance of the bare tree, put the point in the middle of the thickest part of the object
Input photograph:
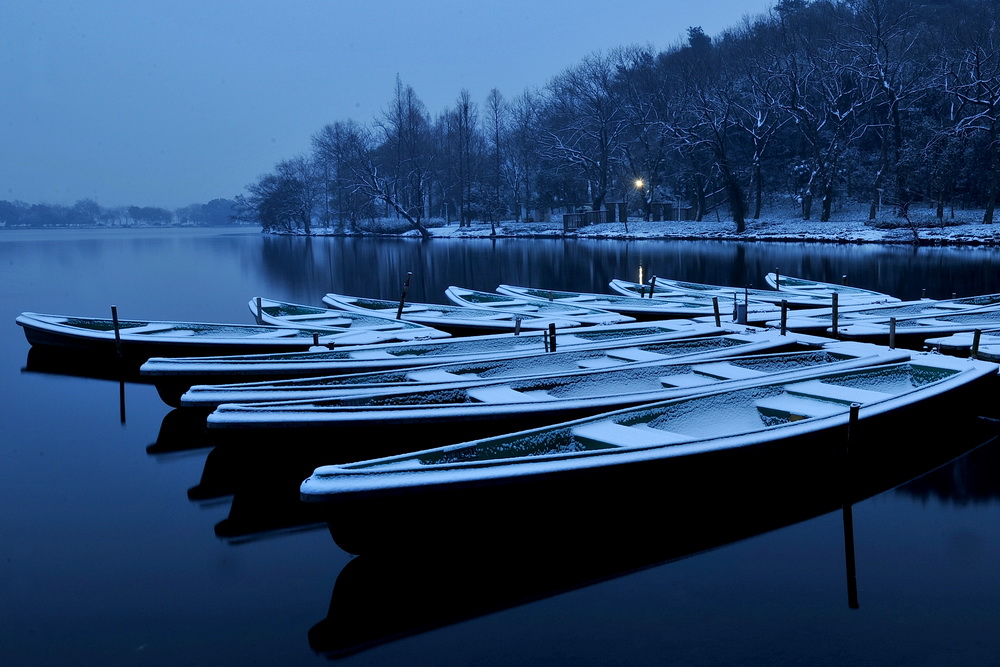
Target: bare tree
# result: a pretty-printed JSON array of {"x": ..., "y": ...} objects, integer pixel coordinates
[{"x": 586, "y": 123}]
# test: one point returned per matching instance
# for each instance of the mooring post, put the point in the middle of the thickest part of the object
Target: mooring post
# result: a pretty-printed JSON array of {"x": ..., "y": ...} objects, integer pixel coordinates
[
  {"x": 315, "y": 340},
  {"x": 836, "y": 316},
  {"x": 517, "y": 325},
  {"x": 118, "y": 335},
  {"x": 642, "y": 291},
  {"x": 552, "y": 336},
  {"x": 976, "y": 335},
  {"x": 652, "y": 286},
  {"x": 402, "y": 296},
  {"x": 892, "y": 333},
  {"x": 260, "y": 312},
  {"x": 843, "y": 279},
  {"x": 715, "y": 310},
  {"x": 784, "y": 316},
  {"x": 923, "y": 293}
]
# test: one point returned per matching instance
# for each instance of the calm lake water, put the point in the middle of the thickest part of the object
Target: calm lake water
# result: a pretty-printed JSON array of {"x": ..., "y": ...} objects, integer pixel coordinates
[{"x": 128, "y": 540}]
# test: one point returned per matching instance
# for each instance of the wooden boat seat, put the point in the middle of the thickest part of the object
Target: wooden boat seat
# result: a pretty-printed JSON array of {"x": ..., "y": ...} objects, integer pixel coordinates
[
  {"x": 726, "y": 371},
  {"x": 328, "y": 320},
  {"x": 280, "y": 333},
  {"x": 685, "y": 380},
  {"x": 608, "y": 433},
  {"x": 505, "y": 394},
  {"x": 600, "y": 362},
  {"x": 634, "y": 354},
  {"x": 835, "y": 392},
  {"x": 147, "y": 328},
  {"x": 794, "y": 408},
  {"x": 432, "y": 375}
]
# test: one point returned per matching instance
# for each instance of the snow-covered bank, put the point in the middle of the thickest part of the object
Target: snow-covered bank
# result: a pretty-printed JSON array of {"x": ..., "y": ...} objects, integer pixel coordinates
[{"x": 842, "y": 231}]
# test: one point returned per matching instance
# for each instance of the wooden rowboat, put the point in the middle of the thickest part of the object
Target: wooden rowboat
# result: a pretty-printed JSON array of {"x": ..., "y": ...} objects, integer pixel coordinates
[
  {"x": 817, "y": 321},
  {"x": 138, "y": 340},
  {"x": 540, "y": 400},
  {"x": 484, "y": 371},
  {"x": 846, "y": 294},
  {"x": 174, "y": 376},
  {"x": 453, "y": 319},
  {"x": 378, "y": 502},
  {"x": 505, "y": 302},
  {"x": 667, "y": 288},
  {"x": 284, "y": 314},
  {"x": 914, "y": 330},
  {"x": 688, "y": 305}
]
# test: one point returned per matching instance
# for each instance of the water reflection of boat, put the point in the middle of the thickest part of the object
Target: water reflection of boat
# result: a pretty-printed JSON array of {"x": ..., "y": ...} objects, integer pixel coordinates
[
  {"x": 383, "y": 597},
  {"x": 181, "y": 431}
]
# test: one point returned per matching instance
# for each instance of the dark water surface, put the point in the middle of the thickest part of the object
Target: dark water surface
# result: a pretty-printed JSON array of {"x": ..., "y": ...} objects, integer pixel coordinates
[{"x": 126, "y": 540}]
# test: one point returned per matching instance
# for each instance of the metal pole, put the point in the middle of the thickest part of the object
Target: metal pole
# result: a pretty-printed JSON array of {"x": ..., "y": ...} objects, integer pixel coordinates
[
  {"x": 836, "y": 317},
  {"x": 118, "y": 335},
  {"x": 402, "y": 296}
]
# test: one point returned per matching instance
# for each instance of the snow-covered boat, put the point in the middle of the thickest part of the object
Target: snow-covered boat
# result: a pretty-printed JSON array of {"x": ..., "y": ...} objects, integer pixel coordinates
[
  {"x": 284, "y": 314},
  {"x": 961, "y": 344},
  {"x": 453, "y": 319},
  {"x": 542, "y": 400},
  {"x": 846, "y": 294},
  {"x": 173, "y": 376},
  {"x": 914, "y": 330},
  {"x": 380, "y": 502},
  {"x": 505, "y": 302},
  {"x": 138, "y": 340},
  {"x": 481, "y": 371},
  {"x": 688, "y": 305},
  {"x": 667, "y": 288},
  {"x": 818, "y": 320}
]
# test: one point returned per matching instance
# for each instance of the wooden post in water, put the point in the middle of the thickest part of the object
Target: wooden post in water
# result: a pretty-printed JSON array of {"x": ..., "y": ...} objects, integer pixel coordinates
[
  {"x": 777, "y": 279},
  {"x": 552, "y": 336},
  {"x": 715, "y": 310},
  {"x": 315, "y": 340},
  {"x": 836, "y": 317},
  {"x": 843, "y": 279},
  {"x": 652, "y": 286},
  {"x": 974, "y": 351},
  {"x": 118, "y": 335},
  {"x": 892, "y": 333},
  {"x": 260, "y": 312},
  {"x": 402, "y": 296},
  {"x": 784, "y": 316},
  {"x": 517, "y": 325}
]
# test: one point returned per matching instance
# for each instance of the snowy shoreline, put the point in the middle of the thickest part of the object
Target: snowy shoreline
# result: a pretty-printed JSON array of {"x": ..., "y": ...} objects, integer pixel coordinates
[{"x": 786, "y": 231}]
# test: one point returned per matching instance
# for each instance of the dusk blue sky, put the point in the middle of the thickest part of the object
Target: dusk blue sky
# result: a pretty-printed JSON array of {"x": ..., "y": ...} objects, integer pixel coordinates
[{"x": 172, "y": 102}]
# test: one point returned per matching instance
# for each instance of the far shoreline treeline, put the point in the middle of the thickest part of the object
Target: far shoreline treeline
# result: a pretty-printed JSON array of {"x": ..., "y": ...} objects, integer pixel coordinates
[{"x": 88, "y": 213}]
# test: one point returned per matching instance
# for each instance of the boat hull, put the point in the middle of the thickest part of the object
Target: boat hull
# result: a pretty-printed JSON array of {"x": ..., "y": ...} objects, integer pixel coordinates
[{"x": 569, "y": 499}]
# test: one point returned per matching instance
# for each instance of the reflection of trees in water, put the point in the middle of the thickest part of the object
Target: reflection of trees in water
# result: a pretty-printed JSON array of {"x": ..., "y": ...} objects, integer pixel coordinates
[
  {"x": 973, "y": 478},
  {"x": 376, "y": 267}
]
